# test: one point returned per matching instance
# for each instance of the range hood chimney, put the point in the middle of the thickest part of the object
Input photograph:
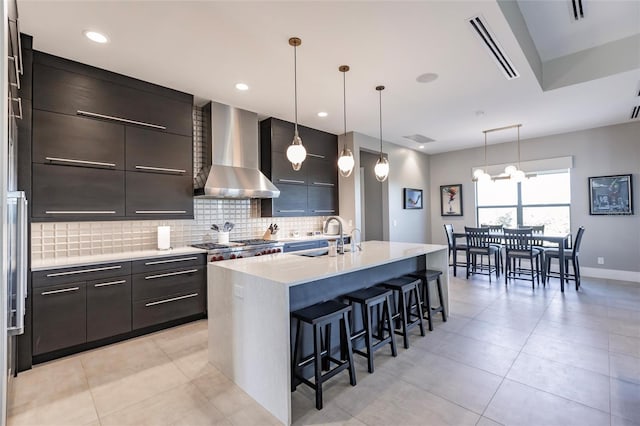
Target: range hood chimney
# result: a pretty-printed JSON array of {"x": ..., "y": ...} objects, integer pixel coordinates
[{"x": 231, "y": 156}]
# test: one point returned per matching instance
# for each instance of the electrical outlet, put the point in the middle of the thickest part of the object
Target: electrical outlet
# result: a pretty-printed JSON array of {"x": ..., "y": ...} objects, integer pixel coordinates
[
  {"x": 238, "y": 291},
  {"x": 601, "y": 261}
]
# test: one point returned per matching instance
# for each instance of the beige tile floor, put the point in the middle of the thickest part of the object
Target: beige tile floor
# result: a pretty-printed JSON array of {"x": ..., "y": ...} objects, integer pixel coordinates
[{"x": 508, "y": 355}]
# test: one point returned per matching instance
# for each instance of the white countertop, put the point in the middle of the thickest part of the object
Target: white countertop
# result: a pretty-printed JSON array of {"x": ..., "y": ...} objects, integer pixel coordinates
[
  {"x": 291, "y": 269},
  {"x": 69, "y": 262}
]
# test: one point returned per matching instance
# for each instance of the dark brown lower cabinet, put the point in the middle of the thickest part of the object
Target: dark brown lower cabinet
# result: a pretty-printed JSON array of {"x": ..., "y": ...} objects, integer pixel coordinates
[
  {"x": 156, "y": 311},
  {"x": 108, "y": 307},
  {"x": 60, "y": 317}
]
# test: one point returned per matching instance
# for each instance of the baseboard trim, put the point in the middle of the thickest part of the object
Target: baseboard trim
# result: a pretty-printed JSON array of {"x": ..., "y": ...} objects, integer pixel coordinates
[{"x": 610, "y": 274}]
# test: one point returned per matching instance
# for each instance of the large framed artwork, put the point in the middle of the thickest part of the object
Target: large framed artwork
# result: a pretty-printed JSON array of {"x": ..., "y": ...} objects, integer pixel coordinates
[
  {"x": 610, "y": 195},
  {"x": 451, "y": 200},
  {"x": 412, "y": 198}
]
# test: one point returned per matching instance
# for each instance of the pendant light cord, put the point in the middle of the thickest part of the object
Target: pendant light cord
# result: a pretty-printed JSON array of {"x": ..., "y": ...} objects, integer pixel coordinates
[
  {"x": 295, "y": 87},
  {"x": 519, "y": 168},
  {"x": 485, "y": 152},
  {"x": 380, "y": 92},
  {"x": 344, "y": 98}
]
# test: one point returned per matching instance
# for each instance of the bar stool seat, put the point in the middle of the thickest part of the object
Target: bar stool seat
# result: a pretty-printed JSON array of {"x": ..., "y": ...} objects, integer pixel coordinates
[
  {"x": 319, "y": 316},
  {"x": 426, "y": 276},
  {"x": 408, "y": 292},
  {"x": 370, "y": 298}
]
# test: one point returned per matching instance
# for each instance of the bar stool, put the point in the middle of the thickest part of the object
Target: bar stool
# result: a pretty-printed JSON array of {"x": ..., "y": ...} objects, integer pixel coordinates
[
  {"x": 407, "y": 289},
  {"x": 369, "y": 298},
  {"x": 426, "y": 276},
  {"x": 319, "y": 316}
]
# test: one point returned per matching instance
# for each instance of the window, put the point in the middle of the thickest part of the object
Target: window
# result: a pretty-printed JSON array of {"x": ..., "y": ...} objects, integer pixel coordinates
[{"x": 539, "y": 200}]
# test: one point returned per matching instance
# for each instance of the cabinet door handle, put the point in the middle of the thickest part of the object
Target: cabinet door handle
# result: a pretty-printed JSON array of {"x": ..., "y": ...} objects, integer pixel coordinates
[
  {"x": 64, "y": 290},
  {"x": 160, "y": 211},
  {"x": 69, "y": 160},
  {"x": 170, "y": 274},
  {"x": 19, "y": 101},
  {"x": 324, "y": 211},
  {"x": 302, "y": 245},
  {"x": 290, "y": 211},
  {"x": 173, "y": 299},
  {"x": 158, "y": 262},
  {"x": 16, "y": 66},
  {"x": 80, "y": 212},
  {"x": 315, "y": 155},
  {"x": 324, "y": 183},
  {"x": 160, "y": 169},
  {"x": 110, "y": 283},
  {"x": 120, "y": 119},
  {"x": 290, "y": 181},
  {"x": 83, "y": 271}
]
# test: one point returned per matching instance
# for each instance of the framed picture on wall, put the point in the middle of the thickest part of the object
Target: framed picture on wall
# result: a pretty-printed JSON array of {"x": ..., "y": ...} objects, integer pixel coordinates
[
  {"x": 412, "y": 198},
  {"x": 451, "y": 200},
  {"x": 610, "y": 195}
]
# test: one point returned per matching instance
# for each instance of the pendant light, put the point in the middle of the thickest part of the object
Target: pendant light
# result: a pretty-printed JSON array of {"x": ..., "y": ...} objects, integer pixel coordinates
[
  {"x": 346, "y": 161},
  {"x": 381, "y": 169},
  {"x": 296, "y": 153}
]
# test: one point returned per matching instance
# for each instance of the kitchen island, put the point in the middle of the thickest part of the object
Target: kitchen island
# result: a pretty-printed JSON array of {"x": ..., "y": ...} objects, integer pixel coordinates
[{"x": 250, "y": 300}]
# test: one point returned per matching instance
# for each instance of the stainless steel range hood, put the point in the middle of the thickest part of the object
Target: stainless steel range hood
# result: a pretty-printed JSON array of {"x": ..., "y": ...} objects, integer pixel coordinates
[{"x": 231, "y": 156}]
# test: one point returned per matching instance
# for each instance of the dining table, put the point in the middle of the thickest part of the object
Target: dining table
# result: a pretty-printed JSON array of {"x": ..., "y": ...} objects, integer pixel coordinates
[{"x": 561, "y": 241}]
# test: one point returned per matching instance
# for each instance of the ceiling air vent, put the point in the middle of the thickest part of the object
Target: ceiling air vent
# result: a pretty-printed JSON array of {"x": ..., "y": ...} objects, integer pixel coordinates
[
  {"x": 635, "y": 112},
  {"x": 420, "y": 139},
  {"x": 491, "y": 44},
  {"x": 576, "y": 7}
]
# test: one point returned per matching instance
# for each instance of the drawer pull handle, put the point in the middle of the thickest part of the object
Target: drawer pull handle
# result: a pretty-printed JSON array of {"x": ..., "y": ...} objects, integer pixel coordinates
[
  {"x": 173, "y": 299},
  {"x": 324, "y": 211},
  {"x": 19, "y": 101},
  {"x": 80, "y": 212},
  {"x": 82, "y": 271},
  {"x": 160, "y": 211},
  {"x": 69, "y": 160},
  {"x": 159, "y": 262},
  {"x": 290, "y": 181},
  {"x": 290, "y": 211},
  {"x": 170, "y": 274},
  {"x": 324, "y": 183},
  {"x": 119, "y": 119},
  {"x": 110, "y": 283},
  {"x": 160, "y": 169},
  {"x": 315, "y": 155},
  {"x": 16, "y": 65},
  {"x": 64, "y": 290}
]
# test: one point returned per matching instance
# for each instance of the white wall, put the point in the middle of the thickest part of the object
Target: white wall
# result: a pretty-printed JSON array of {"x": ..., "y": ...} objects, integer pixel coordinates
[
  {"x": 408, "y": 169},
  {"x": 596, "y": 152}
]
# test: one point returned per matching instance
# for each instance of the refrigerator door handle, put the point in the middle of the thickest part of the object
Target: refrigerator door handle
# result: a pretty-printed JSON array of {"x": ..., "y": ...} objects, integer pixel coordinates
[{"x": 22, "y": 248}]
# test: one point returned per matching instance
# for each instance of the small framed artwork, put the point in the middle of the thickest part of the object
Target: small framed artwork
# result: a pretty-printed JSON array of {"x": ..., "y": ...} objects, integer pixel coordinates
[
  {"x": 451, "y": 200},
  {"x": 412, "y": 198},
  {"x": 610, "y": 195}
]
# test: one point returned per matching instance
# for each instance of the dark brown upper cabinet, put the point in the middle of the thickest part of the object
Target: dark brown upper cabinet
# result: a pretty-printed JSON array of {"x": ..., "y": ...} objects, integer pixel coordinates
[{"x": 156, "y": 152}]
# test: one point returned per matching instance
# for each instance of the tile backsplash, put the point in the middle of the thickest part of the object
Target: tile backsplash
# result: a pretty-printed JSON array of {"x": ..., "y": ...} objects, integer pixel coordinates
[{"x": 68, "y": 239}]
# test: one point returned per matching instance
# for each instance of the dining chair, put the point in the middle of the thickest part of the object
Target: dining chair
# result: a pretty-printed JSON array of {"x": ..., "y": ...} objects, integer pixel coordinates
[
  {"x": 569, "y": 255},
  {"x": 539, "y": 244},
  {"x": 478, "y": 244},
  {"x": 453, "y": 261},
  {"x": 518, "y": 246},
  {"x": 496, "y": 241}
]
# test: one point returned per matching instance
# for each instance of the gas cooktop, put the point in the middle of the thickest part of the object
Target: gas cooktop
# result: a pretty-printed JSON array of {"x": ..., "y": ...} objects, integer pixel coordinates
[
  {"x": 233, "y": 244},
  {"x": 240, "y": 248}
]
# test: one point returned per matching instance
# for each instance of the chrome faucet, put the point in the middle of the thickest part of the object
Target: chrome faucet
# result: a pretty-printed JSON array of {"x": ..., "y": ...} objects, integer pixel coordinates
[
  {"x": 353, "y": 240},
  {"x": 341, "y": 240}
]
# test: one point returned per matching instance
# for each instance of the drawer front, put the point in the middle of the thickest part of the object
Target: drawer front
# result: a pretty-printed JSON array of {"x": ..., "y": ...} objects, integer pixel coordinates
[
  {"x": 77, "y": 141},
  {"x": 68, "y": 92},
  {"x": 158, "y": 196},
  {"x": 322, "y": 201},
  {"x": 163, "y": 284},
  {"x": 80, "y": 273},
  {"x": 157, "y": 311},
  {"x": 59, "y": 317},
  {"x": 157, "y": 152},
  {"x": 108, "y": 307},
  {"x": 303, "y": 245},
  {"x": 163, "y": 263},
  {"x": 64, "y": 192}
]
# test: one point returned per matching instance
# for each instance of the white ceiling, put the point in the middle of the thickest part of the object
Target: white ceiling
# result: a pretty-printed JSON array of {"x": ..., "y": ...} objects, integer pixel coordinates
[{"x": 205, "y": 48}]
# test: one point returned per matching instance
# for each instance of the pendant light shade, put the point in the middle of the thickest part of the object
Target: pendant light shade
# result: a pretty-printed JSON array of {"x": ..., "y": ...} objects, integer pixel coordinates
[
  {"x": 510, "y": 169},
  {"x": 381, "y": 169},
  {"x": 346, "y": 160},
  {"x": 296, "y": 153}
]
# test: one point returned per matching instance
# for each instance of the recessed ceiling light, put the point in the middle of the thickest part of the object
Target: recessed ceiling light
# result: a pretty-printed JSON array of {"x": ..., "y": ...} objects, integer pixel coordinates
[
  {"x": 421, "y": 146},
  {"x": 322, "y": 114},
  {"x": 427, "y": 77},
  {"x": 242, "y": 86},
  {"x": 96, "y": 36}
]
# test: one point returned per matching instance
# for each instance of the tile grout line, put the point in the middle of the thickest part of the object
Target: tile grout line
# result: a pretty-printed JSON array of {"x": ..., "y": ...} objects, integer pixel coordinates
[{"x": 86, "y": 379}]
